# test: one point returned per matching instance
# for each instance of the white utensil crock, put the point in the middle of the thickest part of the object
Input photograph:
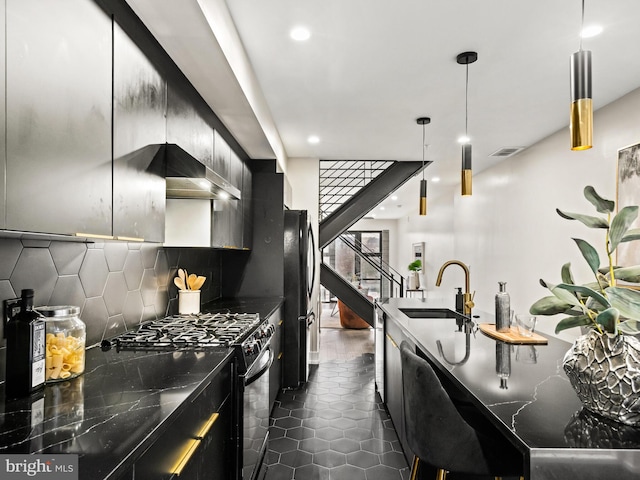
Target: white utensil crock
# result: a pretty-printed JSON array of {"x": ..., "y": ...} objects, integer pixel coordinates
[{"x": 188, "y": 302}]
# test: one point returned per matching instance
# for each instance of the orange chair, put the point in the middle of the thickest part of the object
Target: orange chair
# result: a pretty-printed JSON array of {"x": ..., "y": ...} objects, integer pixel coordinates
[{"x": 349, "y": 319}]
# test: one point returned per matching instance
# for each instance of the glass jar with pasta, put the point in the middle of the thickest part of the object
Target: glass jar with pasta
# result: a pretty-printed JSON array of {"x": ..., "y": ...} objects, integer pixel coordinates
[{"x": 65, "y": 342}]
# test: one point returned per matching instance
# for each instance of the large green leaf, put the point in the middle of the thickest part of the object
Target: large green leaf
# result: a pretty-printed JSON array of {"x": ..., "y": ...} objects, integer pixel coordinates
[
  {"x": 550, "y": 305},
  {"x": 589, "y": 253},
  {"x": 627, "y": 274},
  {"x": 626, "y": 300},
  {"x": 566, "y": 273},
  {"x": 609, "y": 319},
  {"x": 584, "y": 291},
  {"x": 588, "y": 220},
  {"x": 565, "y": 295},
  {"x": 633, "y": 234},
  {"x": 630, "y": 327},
  {"x": 571, "y": 322},
  {"x": 620, "y": 224},
  {"x": 601, "y": 204}
]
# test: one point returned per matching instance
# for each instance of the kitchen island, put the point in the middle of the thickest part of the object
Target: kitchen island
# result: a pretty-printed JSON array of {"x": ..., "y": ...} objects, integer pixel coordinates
[
  {"x": 521, "y": 389},
  {"x": 120, "y": 415}
]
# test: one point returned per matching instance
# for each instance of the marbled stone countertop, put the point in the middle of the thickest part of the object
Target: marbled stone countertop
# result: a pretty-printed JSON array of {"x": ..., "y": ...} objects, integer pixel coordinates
[
  {"x": 524, "y": 391},
  {"x": 115, "y": 410}
]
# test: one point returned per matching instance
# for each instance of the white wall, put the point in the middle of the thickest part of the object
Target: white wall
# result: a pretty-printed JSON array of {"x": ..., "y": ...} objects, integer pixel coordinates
[{"x": 509, "y": 230}]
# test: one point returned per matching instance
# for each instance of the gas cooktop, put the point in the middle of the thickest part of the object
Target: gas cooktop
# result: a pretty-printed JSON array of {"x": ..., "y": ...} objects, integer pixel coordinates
[{"x": 199, "y": 331}]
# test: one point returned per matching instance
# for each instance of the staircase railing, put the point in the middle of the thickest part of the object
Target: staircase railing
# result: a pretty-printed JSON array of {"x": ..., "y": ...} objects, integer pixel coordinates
[
  {"x": 342, "y": 179},
  {"x": 391, "y": 281}
]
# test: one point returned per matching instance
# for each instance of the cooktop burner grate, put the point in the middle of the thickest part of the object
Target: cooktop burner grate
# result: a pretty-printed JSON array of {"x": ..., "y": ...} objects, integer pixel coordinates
[{"x": 198, "y": 332}]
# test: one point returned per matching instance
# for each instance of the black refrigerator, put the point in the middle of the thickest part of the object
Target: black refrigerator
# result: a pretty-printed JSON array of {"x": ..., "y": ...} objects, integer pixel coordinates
[{"x": 299, "y": 272}]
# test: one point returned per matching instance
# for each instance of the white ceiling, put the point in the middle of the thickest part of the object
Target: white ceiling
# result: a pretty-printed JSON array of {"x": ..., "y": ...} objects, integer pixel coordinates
[{"x": 371, "y": 67}]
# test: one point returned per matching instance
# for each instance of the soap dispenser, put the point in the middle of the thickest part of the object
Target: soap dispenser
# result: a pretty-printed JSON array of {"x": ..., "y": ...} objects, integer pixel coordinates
[
  {"x": 459, "y": 301},
  {"x": 503, "y": 309}
]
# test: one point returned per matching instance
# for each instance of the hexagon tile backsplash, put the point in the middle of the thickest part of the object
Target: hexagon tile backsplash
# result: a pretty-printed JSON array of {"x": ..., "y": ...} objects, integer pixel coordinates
[{"x": 117, "y": 285}]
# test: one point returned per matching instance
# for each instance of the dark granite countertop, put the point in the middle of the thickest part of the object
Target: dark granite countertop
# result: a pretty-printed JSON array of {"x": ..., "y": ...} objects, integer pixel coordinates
[
  {"x": 524, "y": 391},
  {"x": 120, "y": 405}
]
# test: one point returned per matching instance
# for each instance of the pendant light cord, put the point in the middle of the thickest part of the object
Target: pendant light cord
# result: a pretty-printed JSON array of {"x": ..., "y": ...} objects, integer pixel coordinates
[
  {"x": 466, "y": 104},
  {"x": 423, "y": 151},
  {"x": 582, "y": 25}
]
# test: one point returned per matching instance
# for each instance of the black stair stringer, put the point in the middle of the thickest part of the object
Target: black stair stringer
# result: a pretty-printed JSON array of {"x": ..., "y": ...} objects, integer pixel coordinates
[{"x": 347, "y": 293}]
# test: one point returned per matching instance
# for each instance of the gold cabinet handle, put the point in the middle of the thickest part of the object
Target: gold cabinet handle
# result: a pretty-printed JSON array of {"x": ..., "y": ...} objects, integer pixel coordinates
[
  {"x": 94, "y": 235},
  {"x": 279, "y": 355},
  {"x": 280, "y": 322},
  {"x": 192, "y": 445},
  {"x": 130, "y": 239},
  {"x": 392, "y": 341}
]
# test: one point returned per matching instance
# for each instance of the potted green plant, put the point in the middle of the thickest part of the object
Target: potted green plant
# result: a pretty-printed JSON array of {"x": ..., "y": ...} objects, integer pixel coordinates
[
  {"x": 414, "y": 274},
  {"x": 603, "y": 364}
]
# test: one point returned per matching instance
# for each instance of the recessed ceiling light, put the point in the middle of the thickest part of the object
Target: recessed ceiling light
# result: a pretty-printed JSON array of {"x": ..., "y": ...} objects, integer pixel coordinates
[
  {"x": 300, "y": 34},
  {"x": 464, "y": 139},
  {"x": 382, "y": 208},
  {"x": 313, "y": 139},
  {"x": 591, "y": 31},
  {"x": 395, "y": 197},
  {"x": 435, "y": 179}
]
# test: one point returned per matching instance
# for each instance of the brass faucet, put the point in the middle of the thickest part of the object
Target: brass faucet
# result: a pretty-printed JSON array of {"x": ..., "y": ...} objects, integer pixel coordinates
[{"x": 468, "y": 296}]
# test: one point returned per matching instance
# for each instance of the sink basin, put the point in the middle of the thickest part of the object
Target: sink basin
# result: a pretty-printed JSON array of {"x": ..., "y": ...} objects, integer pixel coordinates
[{"x": 430, "y": 313}]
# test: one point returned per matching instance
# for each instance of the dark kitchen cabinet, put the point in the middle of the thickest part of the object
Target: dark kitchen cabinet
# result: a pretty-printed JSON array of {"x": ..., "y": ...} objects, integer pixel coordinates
[
  {"x": 235, "y": 170},
  {"x": 139, "y": 128},
  {"x": 58, "y": 117},
  {"x": 201, "y": 443},
  {"x": 393, "y": 397},
  {"x": 187, "y": 129},
  {"x": 226, "y": 229},
  {"x": 275, "y": 373},
  {"x": 221, "y": 156},
  {"x": 247, "y": 220},
  {"x": 3, "y": 131},
  {"x": 379, "y": 343},
  {"x": 228, "y": 214}
]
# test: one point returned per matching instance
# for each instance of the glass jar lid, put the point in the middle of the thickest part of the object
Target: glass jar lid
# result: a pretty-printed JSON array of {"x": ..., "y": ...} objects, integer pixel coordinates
[{"x": 59, "y": 311}]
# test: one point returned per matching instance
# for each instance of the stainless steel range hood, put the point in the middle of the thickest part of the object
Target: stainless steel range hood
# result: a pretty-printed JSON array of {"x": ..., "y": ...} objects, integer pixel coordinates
[{"x": 188, "y": 178}]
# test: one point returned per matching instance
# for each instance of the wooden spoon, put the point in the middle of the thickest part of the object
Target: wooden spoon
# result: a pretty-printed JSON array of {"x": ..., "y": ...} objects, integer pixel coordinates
[
  {"x": 198, "y": 282},
  {"x": 181, "y": 274},
  {"x": 179, "y": 283},
  {"x": 191, "y": 280}
]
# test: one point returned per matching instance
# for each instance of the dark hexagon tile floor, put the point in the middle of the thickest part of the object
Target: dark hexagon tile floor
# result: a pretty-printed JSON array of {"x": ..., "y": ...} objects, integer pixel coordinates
[{"x": 334, "y": 428}]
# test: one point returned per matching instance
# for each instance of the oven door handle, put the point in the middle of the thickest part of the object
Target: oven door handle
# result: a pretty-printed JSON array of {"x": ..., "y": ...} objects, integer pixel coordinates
[{"x": 252, "y": 377}]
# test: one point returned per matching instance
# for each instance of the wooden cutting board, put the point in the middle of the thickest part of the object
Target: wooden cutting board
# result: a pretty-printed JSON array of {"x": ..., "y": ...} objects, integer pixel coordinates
[{"x": 512, "y": 336}]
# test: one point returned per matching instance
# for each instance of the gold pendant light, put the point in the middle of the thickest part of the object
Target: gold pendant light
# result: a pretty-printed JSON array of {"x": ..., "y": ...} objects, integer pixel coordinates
[
  {"x": 423, "y": 183},
  {"x": 581, "y": 116},
  {"x": 466, "y": 58}
]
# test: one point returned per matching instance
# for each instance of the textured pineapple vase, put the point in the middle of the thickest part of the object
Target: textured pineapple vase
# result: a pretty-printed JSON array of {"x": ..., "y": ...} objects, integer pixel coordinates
[{"x": 604, "y": 370}]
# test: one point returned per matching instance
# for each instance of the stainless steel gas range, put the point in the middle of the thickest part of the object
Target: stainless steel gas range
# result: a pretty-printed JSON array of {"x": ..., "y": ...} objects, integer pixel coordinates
[{"x": 249, "y": 337}]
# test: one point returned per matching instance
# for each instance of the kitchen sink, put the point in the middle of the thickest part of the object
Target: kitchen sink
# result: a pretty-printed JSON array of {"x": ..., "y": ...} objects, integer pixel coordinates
[{"x": 430, "y": 313}]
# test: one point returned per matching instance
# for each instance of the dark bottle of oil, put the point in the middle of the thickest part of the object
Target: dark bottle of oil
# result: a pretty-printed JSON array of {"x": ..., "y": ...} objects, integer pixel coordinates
[{"x": 25, "y": 363}]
